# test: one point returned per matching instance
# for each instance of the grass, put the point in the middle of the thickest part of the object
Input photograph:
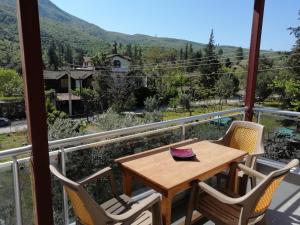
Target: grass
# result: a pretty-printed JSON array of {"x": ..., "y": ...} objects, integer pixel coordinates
[
  {"x": 13, "y": 140},
  {"x": 2, "y": 98},
  {"x": 169, "y": 115},
  {"x": 274, "y": 104}
]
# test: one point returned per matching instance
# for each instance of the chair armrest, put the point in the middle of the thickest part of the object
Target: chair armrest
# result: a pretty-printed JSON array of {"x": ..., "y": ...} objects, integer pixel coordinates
[
  {"x": 107, "y": 171},
  {"x": 250, "y": 172},
  {"x": 138, "y": 208},
  {"x": 219, "y": 141},
  {"x": 220, "y": 196}
]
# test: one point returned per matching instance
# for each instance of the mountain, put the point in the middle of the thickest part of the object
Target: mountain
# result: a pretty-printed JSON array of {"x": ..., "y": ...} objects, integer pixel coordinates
[{"x": 62, "y": 27}]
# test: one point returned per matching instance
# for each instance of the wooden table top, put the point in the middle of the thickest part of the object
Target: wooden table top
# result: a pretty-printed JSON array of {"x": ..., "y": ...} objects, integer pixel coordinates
[{"x": 161, "y": 169}]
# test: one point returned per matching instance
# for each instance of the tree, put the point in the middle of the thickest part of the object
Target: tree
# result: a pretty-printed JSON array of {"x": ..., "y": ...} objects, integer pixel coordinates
[
  {"x": 128, "y": 51},
  {"x": 185, "y": 102},
  {"x": 228, "y": 63},
  {"x": 239, "y": 54},
  {"x": 100, "y": 61},
  {"x": 9, "y": 54},
  {"x": 294, "y": 59},
  {"x": 181, "y": 54},
  {"x": 103, "y": 85},
  {"x": 226, "y": 87},
  {"x": 264, "y": 86},
  {"x": 115, "y": 48},
  {"x": 220, "y": 51},
  {"x": 191, "y": 51},
  {"x": 135, "y": 54},
  {"x": 264, "y": 83},
  {"x": 212, "y": 65},
  {"x": 151, "y": 104},
  {"x": 88, "y": 99},
  {"x": 53, "y": 59},
  {"x": 186, "y": 52},
  {"x": 11, "y": 83},
  {"x": 140, "y": 57},
  {"x": 287, "y": 82},
  {"x": 68, "y": 57},
  {"x": 79, "y": 56}
]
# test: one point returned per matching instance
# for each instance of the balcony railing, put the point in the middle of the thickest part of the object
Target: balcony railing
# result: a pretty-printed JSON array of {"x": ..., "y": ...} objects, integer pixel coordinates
[{"x": 59, "y": 149}]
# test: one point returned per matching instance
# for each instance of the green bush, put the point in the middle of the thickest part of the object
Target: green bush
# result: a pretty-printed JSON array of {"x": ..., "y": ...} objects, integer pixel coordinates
[{"x": 11, "y": 83}]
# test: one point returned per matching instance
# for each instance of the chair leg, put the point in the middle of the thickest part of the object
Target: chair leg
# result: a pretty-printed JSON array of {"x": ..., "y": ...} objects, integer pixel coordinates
[
  {"x": 191, "y": 204},
  {"x": 157, "y": 216},
  {"x": 263, "y": 221},
  {"x": 219, "y": 180},
  {"x": 253, "y": 182}
]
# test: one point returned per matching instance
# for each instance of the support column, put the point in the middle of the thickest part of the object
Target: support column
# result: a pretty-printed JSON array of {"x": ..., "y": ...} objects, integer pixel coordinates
[
  {"x": 257, "y": 22},
  {"x": 32, "y": 69}
]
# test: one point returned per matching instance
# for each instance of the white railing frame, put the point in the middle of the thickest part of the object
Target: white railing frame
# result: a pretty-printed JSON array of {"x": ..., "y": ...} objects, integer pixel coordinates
[
  {"x": 64, "y": 146},
  {"x": 67, "y": 145}
]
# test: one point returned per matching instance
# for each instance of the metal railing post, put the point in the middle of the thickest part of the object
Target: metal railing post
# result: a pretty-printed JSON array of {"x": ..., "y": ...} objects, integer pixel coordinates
[
  {"x": 65, "y": 197},
  {"x": 258, "y": 117},
  {"x": 183, "y": 131},
  {"x": 244, "y": 116},
  {"x": 17, "y": 193}
]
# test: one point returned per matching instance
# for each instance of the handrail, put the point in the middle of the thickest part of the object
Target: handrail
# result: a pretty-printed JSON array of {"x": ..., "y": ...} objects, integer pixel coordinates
[
  {"x": 276, "y": 111},
  {"x": 117, "y": 132},
  {"x": 107, "y": 137}
]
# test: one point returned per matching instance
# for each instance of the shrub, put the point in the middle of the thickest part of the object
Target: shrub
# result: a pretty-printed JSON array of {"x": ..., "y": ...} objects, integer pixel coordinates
[{"x": 151, "y": 104}]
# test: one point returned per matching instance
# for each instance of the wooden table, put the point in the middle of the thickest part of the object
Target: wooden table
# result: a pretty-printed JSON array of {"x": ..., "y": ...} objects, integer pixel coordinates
[{"x": 157, "y": 169}]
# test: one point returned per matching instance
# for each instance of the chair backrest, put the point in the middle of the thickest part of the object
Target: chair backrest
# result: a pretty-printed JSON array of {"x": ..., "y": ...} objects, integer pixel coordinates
[
  {"x": 86, "y": 210},
  {"x": 245, "y": 136},
  {"x": 261, "y": 196}
]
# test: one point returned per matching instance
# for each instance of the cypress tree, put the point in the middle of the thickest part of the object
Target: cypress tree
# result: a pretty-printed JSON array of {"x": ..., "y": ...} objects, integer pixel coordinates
[
  {"x": 186, "y": 51},
  {"x": 181, "y": 54},
  {"x": 115, "y": 48},
  {"x": 53, "y": 60},
  {"x": 211, "y": 65},
  {"x": 239, "y": 54}
]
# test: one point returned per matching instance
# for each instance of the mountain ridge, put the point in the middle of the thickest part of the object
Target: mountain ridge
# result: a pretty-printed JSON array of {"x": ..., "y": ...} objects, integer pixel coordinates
[{"x": 58, "y": 25}]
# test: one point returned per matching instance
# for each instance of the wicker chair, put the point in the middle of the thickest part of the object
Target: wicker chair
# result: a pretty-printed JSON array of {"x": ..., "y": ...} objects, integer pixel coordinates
[
  {"x": 118, "y": 210},
  {"x": 245, "y": 136},
  {"x": 245, "y": 210}
]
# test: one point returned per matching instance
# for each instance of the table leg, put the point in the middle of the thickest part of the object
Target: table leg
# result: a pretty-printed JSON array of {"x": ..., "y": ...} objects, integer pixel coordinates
[
  {"x": 127, "y": 183},
  {"x": 233, "y": 178},
  {"x": 166, "y": 205}
]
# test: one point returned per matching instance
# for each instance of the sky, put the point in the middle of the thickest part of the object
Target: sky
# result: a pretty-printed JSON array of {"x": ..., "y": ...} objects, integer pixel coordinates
[{"x": 191, "y": 19}]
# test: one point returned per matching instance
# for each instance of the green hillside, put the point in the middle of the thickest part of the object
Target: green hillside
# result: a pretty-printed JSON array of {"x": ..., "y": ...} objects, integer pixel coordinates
[{"x": 62, "y": 27}]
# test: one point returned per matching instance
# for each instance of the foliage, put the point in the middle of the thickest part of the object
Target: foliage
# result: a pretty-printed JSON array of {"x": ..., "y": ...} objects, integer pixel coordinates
[
  {"x": 211, "y": 68},
  {"x": 294, "y": 58},
  {"x": 52, "y": 113},
  {"x": 88, "y": 99},
  {"x": 174, "y": 102},
  {"x": 228, "y": 63},
  {"x": 264, "y": 86},
  {"x": 11, "y": 83},
  {"x": 103, "y": 86},
  {"x": 155, "y": 116},
  {"x": 226, "y": 87},
  {"x": 112, "y": 120},
  {"x": 64, "y": 128},
  {"x": 265, "y": 83},
  {"x": 140, "y": 95},
  {"x": 239, "y": 54},
  {"x": 151, "y": 104},
  {"x": 185, "y": 102},
  {"x": 53, "y": 60}
]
